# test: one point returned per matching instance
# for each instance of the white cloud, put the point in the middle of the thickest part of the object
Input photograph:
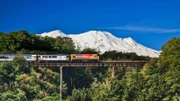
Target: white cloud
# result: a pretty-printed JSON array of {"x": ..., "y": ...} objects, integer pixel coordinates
[{"x": 145, "y": 29}]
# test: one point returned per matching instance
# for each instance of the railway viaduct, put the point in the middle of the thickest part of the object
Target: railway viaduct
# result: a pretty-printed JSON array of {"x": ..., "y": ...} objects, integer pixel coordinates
[{"x": 111, "y": 64}]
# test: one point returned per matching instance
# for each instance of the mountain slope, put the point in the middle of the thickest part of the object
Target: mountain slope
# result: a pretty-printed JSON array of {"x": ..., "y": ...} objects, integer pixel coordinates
[{"x": 104, "y": 41}]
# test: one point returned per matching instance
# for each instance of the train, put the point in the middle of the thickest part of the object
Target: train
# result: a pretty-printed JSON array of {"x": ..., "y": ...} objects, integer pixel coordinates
[{"x": 52, "y": 57}]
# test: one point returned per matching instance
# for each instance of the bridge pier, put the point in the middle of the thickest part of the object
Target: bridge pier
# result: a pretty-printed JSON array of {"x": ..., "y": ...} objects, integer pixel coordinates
[
  {"x": 61, "y": 81},
  {"x": 112, "y": 71}
]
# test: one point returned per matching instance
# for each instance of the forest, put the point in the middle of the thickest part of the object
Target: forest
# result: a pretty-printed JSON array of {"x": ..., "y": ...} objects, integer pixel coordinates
[{"x": 158, "y": 80}]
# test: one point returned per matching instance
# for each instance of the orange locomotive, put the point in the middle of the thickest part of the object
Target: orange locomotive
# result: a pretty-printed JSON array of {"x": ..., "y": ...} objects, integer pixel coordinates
[{"x": 84, "y": 57}]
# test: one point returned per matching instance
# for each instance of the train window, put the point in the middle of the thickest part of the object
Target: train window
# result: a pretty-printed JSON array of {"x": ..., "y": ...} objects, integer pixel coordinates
[
  {"x": 54, "y": 56},
  {"x": 11, "y": 57},
  {"x": 44, "y": 57},
  {"x": 3, "y": 57},
  {"x": 28, "y": 57}
]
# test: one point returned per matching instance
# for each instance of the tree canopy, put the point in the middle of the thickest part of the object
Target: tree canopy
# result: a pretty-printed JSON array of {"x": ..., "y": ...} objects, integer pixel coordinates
[{"x": 13, "y": 42}]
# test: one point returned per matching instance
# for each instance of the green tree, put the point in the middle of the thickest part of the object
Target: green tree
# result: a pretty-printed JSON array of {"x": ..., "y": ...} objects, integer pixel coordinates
[
  {"x": 40, "y": 83},
  {"x": 59, "y": 43},
  {"x": 68, "y": 45},
  {"x": 51, "y": 98},
  {"x": 170, "y": 54},
  {"x": 170, "y": 66},
  {"x": 16, "y": 95},
  {"x": 80, "y": 95},
  {"x": 8, "y": 74},
  {"x": 89, "y": 51},
  {"x": 20, "y": 62},
  {"x": 20, "y": 39},
  {"x": 1, "y": 33}
]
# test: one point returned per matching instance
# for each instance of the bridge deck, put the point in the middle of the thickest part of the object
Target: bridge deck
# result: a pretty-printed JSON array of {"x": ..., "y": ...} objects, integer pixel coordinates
[{"x": 90, "y": 64}]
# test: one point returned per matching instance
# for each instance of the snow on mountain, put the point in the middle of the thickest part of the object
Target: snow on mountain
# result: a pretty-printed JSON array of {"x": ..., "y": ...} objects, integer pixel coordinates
[
  {"x": 53, "y": 34},
  {"x": 104, "y": 41}
]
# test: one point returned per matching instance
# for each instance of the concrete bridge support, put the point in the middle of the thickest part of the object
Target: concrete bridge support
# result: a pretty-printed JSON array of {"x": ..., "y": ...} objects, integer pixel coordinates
[
  {"x": 112, "y": 71},
  {"x": 61, "y": 81}
]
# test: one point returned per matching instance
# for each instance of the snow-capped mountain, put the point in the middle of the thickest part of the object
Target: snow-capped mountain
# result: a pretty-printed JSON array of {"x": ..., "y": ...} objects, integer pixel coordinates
[{"x": 104, "y": 41}]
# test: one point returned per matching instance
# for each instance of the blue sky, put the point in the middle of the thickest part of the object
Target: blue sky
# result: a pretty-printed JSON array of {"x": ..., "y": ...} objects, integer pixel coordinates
[{"x": 149, "y": 22}]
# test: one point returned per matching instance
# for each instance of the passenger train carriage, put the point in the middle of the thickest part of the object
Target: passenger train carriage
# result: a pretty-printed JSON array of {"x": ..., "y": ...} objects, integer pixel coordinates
[
  {"x": 59, "y": 57},
  {"x": 52, "y": 57},
  {"x": 10, "y": 57}
]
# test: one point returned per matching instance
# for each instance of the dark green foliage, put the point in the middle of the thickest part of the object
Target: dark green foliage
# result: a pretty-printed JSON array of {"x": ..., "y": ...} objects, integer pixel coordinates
[
  {"x": 23, "y": 42},
  {"x": 114, "y": 55},
  {"x": 64, "y": 45},
  {"x": 1, "y": 33},
  {"x": 17, "y": 95},
  {"x": 18, "y": 85},
  {"x": 80, "y": 95},
  {"x": 40, "y": 83},
  {"x": 21, "y": 63},
  {"x": 7, "y": 73},
  {"x": 89, "y": 51},
  {"x": 51, "y": 98},
  {"x": 15, "y": 41},
  {"x": 77, "y": 78},
  {"x": 170, "y": 67},
  {"x": 170, "y": 55}
]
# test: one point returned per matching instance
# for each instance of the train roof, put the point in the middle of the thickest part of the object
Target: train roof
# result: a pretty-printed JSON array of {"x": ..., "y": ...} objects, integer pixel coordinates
[
  {"x": 34, "y": 54},
  {"x": 16, "y": 54}
]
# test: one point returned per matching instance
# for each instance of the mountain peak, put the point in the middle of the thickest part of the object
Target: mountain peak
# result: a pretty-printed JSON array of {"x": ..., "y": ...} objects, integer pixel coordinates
[
  {"x": 56, "y": 31},
  {"x": 53, "y": 34},
  {"x": 130, "y": 41},
  {"x": 97, "y": 34}
]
